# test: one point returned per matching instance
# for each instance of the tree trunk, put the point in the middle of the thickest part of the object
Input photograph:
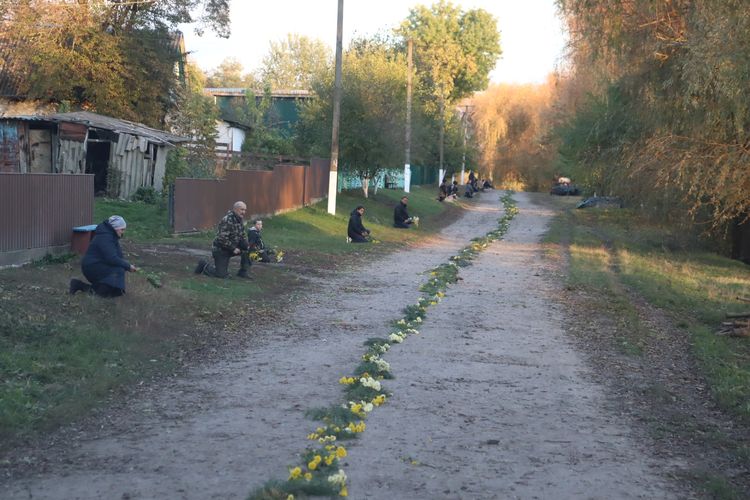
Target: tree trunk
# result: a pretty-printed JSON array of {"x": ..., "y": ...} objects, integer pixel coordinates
[{"x": 365, "y": 185}]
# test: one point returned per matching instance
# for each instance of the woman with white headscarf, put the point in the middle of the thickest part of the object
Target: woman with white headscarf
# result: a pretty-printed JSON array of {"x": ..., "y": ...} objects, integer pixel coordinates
[{"x": 104, "y": 265}]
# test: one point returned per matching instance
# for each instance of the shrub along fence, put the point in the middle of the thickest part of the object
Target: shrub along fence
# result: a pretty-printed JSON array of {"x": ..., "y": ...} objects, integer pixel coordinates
[
  {"x": 38, "y": 213},
  {"x": 198, "y": 204}
]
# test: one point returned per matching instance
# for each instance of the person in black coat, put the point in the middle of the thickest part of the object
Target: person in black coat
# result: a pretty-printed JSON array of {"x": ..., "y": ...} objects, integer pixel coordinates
[
  {"x": 356, "y": 230},
  {"x": 401, "y": 217},
  {"x": 443, "y": 190},
  {"x": 104, "y": 265}
]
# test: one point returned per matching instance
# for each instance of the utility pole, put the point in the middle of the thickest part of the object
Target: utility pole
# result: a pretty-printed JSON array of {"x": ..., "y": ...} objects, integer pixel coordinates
[
  {"x": 465, "y": 127},
  {"x": 407, "y": 160},
  {"x": 333, "y": 173}
]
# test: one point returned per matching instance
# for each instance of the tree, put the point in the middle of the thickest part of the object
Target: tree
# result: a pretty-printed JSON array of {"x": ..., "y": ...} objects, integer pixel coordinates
[
  {"x": 230, "y": 73},
  {"x": 372, "y": 112},
  {"x": 674, "y": 76},
  {"x": 294, "y": 62},
  {"x": 454, "y": 52},
  {"x": 112, "y": 57},
  {"x": 264, "y": 135},
  {"x": 513, "y": 129},
  {"x": 195, "y": 117}
]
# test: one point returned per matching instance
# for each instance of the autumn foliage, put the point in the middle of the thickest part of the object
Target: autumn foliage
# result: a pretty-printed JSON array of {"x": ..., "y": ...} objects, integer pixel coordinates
[
  {"x": 660, "y": 114},
  {"x": 511, "y": 126}
]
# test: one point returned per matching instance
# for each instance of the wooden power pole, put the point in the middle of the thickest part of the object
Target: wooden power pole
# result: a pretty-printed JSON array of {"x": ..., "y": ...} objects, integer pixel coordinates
[{"x": 333, "y": 173}]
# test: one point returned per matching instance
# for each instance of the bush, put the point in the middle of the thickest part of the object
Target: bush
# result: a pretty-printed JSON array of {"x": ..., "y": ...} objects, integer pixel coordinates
[{"x": 146, "y": 195}]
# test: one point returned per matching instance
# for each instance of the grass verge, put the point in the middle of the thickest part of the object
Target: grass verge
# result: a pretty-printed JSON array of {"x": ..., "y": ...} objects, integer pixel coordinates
[
  {"x": 62, "y": 355},
  {"x": 613, "y": 248},
  {"x": 616, "y": 263}
]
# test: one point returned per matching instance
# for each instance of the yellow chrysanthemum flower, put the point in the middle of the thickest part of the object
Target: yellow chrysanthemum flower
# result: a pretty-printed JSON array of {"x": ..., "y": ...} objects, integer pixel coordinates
[
  {"x": 329, "y": 459},
  {"x": 340, "y": 452},
  {"x": 344, "y": 492},
  {"x": 295, "y": 473},
  {"x": 308, "y": 476},
  {"x": 312, "y": 436}
]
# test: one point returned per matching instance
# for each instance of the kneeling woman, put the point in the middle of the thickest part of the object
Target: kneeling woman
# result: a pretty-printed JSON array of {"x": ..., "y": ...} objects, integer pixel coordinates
[{"x": 103, "y": 265}]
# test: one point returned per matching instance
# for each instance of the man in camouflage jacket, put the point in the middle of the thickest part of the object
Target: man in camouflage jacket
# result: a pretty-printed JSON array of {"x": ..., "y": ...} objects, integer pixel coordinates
[{"x": 230, "y": 241}]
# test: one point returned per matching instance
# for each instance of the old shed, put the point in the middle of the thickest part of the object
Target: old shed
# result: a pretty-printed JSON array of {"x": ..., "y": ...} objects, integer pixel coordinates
[{"x": 122, "y": 155}]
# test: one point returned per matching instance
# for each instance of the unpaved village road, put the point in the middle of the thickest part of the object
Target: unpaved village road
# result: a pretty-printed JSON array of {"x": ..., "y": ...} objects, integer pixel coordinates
[{"x": 491, "y": 400}]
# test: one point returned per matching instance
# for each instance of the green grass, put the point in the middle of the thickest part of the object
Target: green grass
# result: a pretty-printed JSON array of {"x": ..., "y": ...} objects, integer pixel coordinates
[
  {"x": 49, "y": 370},
  {"x": 671, "y": 271},
  {"x": 145, "y": 221},
  {"x": 61, "y": 355}
]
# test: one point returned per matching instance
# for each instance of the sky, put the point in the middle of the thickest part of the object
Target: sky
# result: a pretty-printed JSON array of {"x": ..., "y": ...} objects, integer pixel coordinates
[{"x": 531, "y": 35}]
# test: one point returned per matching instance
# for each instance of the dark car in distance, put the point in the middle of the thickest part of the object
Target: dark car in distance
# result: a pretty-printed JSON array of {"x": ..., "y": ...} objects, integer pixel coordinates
[{"x": 565, "y": 190}]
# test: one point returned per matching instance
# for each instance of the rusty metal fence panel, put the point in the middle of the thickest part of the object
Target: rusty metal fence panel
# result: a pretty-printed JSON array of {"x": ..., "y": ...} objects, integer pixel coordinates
[
  {"x": 40, "y": 210},
  {"x": 200, "y": 203}
]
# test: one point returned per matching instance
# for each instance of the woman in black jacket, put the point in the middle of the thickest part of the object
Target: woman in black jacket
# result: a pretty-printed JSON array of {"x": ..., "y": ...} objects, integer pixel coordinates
[{"x": 103, "y": 265}]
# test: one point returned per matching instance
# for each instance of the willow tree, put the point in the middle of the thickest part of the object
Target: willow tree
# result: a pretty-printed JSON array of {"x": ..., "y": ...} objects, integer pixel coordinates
[
  {"x": 670, "y": 82},
  {"x": 454, "y": 52},
  {"x": 511, "y": 124}
]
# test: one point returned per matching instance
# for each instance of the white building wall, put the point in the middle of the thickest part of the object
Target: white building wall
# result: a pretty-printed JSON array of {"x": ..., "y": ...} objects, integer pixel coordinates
[
  {"x": 238, "y": 137},
  {"x": 230, "y": 136}
]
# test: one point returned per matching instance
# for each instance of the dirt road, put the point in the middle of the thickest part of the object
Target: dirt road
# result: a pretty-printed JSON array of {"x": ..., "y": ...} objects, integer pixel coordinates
[{"x": 490, "y": 400}]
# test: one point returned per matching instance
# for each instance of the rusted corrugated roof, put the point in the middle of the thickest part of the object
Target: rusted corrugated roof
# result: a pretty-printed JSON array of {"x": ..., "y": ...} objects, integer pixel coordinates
[{"x": 116, "y": 125}]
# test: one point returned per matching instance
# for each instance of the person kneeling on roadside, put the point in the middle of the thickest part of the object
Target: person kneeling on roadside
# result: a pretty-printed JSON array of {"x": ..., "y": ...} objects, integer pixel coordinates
[
  {"x": 401, "y": 217},
  {"x": 230, "y": 242},
  {"x": 356, "y": 231},
  {"x": 257, "y": 247},
  {"x": 104, "y": 265}
]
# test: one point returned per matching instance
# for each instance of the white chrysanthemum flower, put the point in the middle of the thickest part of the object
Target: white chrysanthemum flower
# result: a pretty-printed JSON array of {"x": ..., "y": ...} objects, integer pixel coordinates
[
  {"x": 338, "y": 479},
  {"x": 370, "y": 382},
  {"x": 382, "y": 365}
]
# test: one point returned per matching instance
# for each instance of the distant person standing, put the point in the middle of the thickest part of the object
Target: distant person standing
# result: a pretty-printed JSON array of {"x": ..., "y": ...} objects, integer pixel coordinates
[
  {"x": 401, "y": 217},
  {"x": 104, "y": 265},
  {"x": 356, "y": 231},
  {"x": 230, "y": 241}
]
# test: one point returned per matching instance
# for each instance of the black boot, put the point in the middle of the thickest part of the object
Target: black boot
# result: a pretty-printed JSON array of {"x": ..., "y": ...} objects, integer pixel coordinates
[
  {"x": 78, "y": 286},
  {"x": 201, "y": 266},
  {"x": 242, "y": 273}
]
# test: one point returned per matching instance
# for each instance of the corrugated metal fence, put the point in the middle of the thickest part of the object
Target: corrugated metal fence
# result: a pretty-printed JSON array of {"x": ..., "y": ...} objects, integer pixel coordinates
[
  {"x": 40, "y": 210},
  {"x": 200, "y": 203}
]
